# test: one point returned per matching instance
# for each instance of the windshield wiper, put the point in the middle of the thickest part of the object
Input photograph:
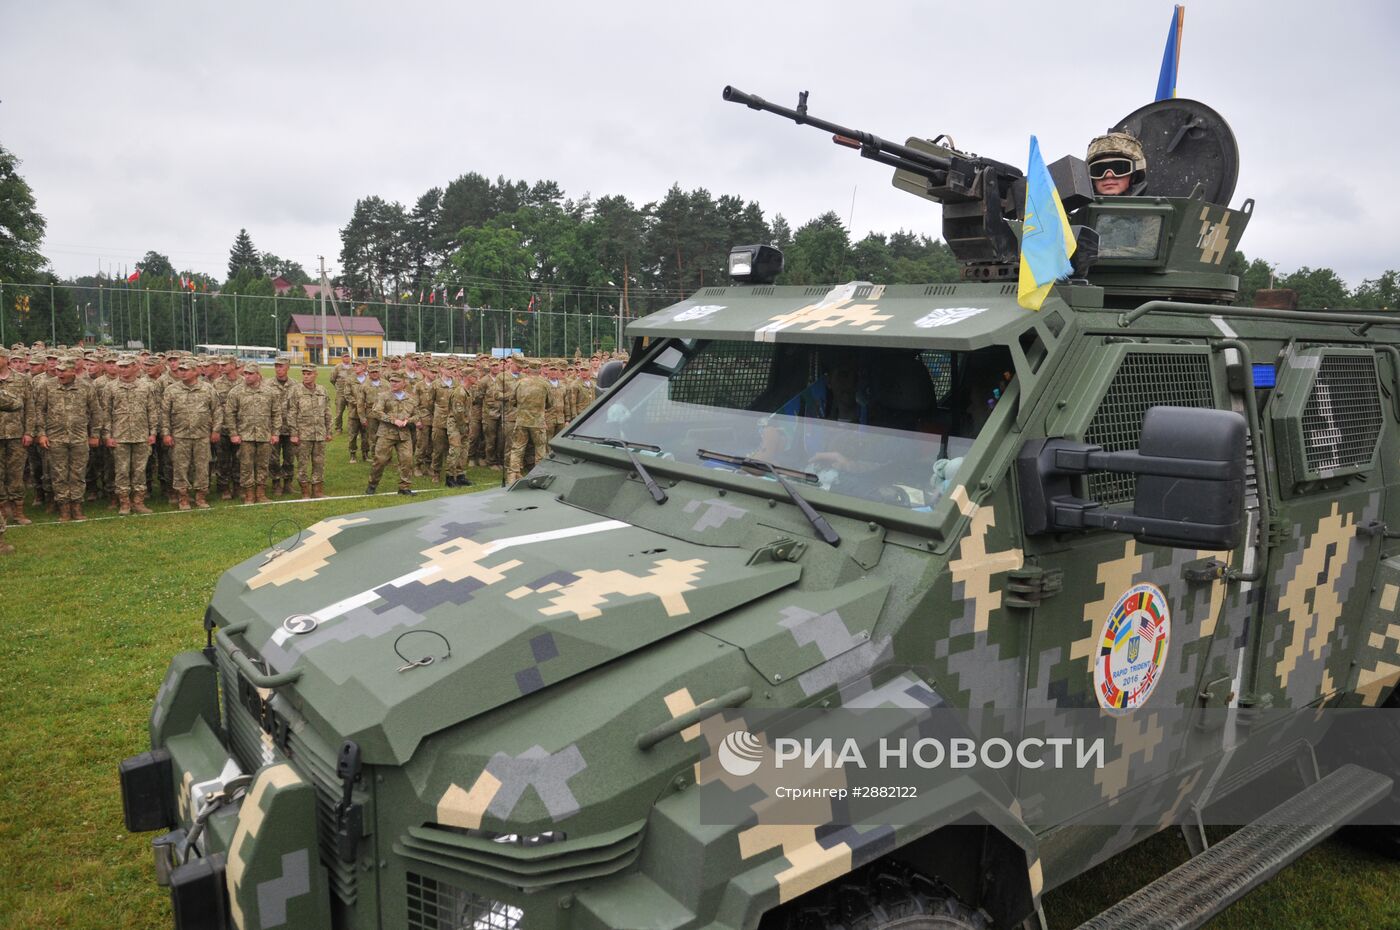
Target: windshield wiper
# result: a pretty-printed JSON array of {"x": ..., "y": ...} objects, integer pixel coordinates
[
  {"x": 627, "y": 446},
  {"x": 818, "y": 522}
]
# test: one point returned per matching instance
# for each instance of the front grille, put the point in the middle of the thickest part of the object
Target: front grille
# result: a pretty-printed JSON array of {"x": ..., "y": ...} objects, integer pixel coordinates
[
  {"x": 435, "y": 905},
  {"x": 527, "y": 868},
  {"x": 1342, "y": 418},
  {"x": 311, "y": 757},
  {"x": 1143, "y": 380}
]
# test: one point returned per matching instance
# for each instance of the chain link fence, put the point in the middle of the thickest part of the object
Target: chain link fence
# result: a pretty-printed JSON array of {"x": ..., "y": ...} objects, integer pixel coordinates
[{"x": 131, "y": 316}]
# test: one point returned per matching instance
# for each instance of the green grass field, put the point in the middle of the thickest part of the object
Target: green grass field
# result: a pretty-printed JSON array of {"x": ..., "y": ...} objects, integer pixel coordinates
[{"x": 91, "y": 613}]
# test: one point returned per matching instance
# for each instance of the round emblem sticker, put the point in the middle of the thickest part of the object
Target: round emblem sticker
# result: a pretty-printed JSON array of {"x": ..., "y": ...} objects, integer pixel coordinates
[{"x": 1133, "y": 648}]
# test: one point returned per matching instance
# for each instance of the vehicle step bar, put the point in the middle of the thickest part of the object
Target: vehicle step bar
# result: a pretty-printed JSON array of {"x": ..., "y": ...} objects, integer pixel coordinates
[{"x": 1206, "y": 884}]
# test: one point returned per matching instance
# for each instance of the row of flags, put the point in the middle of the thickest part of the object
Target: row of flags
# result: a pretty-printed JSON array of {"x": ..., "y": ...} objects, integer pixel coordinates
[
  {"x": 1047, "y": 242},
  {"x": 430, "y": 296}
]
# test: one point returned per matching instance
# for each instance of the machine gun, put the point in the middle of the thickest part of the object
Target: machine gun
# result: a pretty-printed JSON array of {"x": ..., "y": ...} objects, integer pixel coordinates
[{"x": 978, "y": 194}]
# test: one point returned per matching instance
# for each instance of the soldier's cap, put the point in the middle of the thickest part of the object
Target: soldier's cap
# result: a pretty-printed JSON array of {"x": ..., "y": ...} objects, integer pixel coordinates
[
  {"x": 283, "y": 360},
  {"x": 125, "y": 362},
  {"x": 398, "y": 376},
  {"x": 534, "y": 364},
  {"x": 66, "y": 364},
  {"x": 251, "y": 369},
  {"x": 306, "y": 368},
  {"x": 184, "y": 364},
  {"x": 227, "y": 360}
]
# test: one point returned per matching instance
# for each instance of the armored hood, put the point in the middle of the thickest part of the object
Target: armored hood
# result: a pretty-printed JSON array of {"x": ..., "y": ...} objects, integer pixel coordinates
[{"x": 408, "y": 620}]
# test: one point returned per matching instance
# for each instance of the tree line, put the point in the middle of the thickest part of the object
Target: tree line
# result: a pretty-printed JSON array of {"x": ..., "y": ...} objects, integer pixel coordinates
[{"x": 506, "y": 244}]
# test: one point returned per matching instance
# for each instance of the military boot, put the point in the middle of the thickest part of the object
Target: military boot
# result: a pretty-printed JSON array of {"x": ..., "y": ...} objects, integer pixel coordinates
[
  {"x": 352, "y": 457},
  {"x": 184, "y": 500},
  {"x": 76, "y": 508},
  {"x": 138, "y": 503},
  {"x": 369, "y": 488},
  {"x": 63, "y": 512},
  {"x": 318, "y": 490},
  {"x": 305, "y": 489},
  {"x": 114, "y": 502},
  {"x": 260, "y": 494},
  {"x": 124, "y": 505},
  {"x": 49, "y": 505},
  {"x": 226, "y": 494},
  {"x": 248, "y": 496},
  {"x": 17, "y": 508},
  {"x": 200, "y": 500}
]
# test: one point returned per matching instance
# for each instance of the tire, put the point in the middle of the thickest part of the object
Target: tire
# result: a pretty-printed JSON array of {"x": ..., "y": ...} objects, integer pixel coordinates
[{"x": 883, "y": 899}]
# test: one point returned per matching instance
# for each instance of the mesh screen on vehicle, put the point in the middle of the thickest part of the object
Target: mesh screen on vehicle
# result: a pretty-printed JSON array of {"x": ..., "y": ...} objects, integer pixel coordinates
[
  {"x": 728, "y": 374},
  {"x": 1143, "y": 380},
  {"x": 435, "y": 905},
  {"x": 1342, "y": 418}
]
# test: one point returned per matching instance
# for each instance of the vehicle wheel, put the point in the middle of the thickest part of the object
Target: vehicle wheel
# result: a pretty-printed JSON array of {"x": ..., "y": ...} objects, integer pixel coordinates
[{"x": 884, "y": 900}]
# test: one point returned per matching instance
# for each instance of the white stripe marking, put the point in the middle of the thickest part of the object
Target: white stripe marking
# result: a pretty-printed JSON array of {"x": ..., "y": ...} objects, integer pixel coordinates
[{"x": 418, "y": 574}]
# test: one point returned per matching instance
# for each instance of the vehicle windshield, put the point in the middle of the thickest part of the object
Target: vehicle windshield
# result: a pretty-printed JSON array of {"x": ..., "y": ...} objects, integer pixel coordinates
[{"x": 881, "y": 424}]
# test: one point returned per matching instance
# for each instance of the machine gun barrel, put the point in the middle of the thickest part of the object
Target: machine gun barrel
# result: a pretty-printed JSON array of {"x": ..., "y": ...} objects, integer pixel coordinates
[{"x": 870, "y": 145}]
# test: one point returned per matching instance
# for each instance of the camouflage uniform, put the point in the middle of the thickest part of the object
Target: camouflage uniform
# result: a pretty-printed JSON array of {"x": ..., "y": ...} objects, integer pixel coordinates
[
  {"x": 309, "y": 417},
  {"x": 492, "y": 411},
  {"x": 359, "y": 435},
  {"x": 476, "y": 454},
  {"x": 68, "y": 416},
  {"x": 342, "y": 379},
  {"x": 38, "y": 462},
  {"x": 225, "y": 455},
  {"x": 445, "y": 438},
  {"x": 255, "y": 417},
  {"x": 394, "y": 440},
  {"x": 132, "y": 420},
  {"x": 424, "y": 440},
  {"x": 283, "y": 464},
  {"x": 14, "y": 426},
  {"x": 367, "y": 394},
  {"x": 558, "y": 394},
  {"x": 189, "y": 415},
  {"x": 533, "y": 402},
  {"x": 12, "y": 403}
]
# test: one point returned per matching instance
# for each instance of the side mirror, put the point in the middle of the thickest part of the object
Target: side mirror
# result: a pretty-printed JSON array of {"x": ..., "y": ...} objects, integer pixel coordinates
[
  {"x": 1190, "y": 465},
  {"x": 609, "y": 373}
]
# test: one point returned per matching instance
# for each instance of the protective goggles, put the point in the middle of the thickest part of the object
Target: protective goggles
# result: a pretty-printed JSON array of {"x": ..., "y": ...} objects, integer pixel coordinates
[{"x": 1119, "y": 167}]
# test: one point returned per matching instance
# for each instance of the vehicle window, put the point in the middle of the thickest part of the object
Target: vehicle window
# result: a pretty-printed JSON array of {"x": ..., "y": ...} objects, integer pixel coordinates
[
  {"x": 888, "y": 425},
  {"x": 1123, "y": 236}
]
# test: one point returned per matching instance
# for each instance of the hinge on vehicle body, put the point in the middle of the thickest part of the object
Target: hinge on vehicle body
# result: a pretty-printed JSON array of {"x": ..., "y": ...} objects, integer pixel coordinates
[
  {"x": 779, "y": 550},
  {"x": 1027, "y": 586}
]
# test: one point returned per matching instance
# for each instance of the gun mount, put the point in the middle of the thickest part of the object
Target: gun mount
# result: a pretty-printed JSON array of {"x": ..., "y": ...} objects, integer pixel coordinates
[{"x": 979, "y": 195}]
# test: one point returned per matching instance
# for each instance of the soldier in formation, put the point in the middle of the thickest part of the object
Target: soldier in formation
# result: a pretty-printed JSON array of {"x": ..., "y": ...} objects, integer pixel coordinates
[
  {"x": 93, "y": 424},
  {"x": 309, "y": 421},
  {"x": 254, "y": 411}
]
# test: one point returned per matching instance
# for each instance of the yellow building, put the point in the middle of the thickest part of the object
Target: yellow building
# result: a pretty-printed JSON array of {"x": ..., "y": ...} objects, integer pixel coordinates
[{"x": 306, "y": 341}]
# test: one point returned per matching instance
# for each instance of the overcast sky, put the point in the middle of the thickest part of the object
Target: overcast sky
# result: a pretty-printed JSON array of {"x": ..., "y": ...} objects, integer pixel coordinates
[{"x": 171, "y": 125}]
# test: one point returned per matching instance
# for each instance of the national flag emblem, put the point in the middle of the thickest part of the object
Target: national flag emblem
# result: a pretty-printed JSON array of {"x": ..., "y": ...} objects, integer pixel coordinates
[
  {"x": 1047, "y": 242},
  {"x": 1171, "y": 56},
  {"x": 460, "y": 292},
  {"x": 134, "y": 276},
  {"x": 531, "y": 307}
]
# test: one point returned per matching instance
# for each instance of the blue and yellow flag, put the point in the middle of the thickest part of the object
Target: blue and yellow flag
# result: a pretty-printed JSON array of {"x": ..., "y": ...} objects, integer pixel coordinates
[
  {"x": 1166, "y": 81},
  {"x": 1046, "y": 239}
]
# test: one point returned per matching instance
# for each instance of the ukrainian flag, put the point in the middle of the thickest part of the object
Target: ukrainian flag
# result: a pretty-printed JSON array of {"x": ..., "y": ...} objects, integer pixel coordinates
[
  {"x": 1166, "y": 80},
  {"x": 1046, "y": 239}
]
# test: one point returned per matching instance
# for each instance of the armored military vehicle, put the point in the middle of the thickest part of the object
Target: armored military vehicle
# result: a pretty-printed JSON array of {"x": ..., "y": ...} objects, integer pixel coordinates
[{"x": 532, "y": 708}]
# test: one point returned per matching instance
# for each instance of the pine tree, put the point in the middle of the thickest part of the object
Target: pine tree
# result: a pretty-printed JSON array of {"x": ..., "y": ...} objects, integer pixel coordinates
[{"x": 243, "y": 256}]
